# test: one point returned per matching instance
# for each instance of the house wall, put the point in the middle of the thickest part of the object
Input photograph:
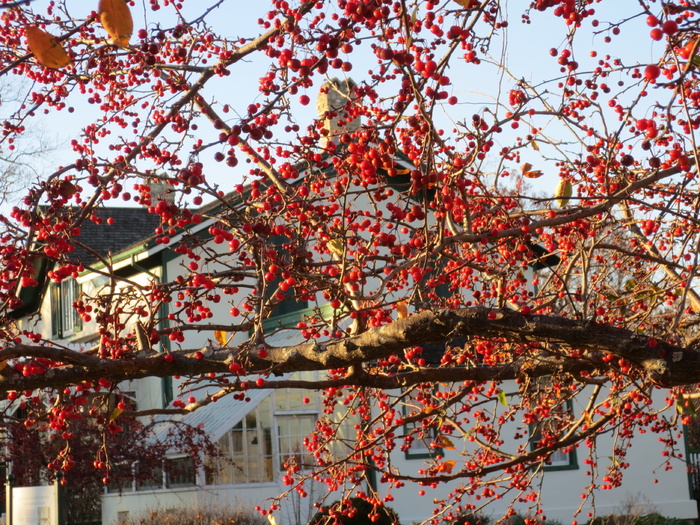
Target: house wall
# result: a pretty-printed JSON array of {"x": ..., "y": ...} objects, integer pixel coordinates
[
  {"x": 560, "y": 490},
  {"x": 646, "y": 482},
  {"x": 148, "y": 392},
  {"x": 202, "y": 498}
]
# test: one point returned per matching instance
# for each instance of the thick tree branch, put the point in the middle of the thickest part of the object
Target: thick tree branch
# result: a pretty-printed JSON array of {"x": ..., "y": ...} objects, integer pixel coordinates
[{"x": 665, "y": 364}]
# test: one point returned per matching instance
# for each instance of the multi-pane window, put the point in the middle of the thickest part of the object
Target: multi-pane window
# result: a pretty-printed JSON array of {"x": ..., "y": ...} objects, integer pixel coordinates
[
  {"x": 546, "y": 431},
  {"x": 246, "y": 450},
  {"x": 65, "y": 321},
  {"x": 291, "y": 431},
  {"x": 295, "y": 419},
  {"x": 174, "y": 473},
  {"x": 181, "y": 472},
  {"x": 418, "y": 441},
  {"x": 266, "y": 440}
]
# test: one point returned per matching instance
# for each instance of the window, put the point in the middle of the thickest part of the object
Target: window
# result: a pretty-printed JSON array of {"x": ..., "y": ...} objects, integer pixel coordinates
[
  {"x": 122, "y": 476},
  {"x": 546, "y": 432},
  {"x": 65, "y": 321},
  {"x": 267, "y": 439},
  {"x": 291, "y": 431},
  {"x": 181, "y": 472},
  {"x": 418, "y": 442},
  {"x": 290, "y": 303},
  {"x": 246, "y": 450},
  {"x": 295, "y": 420}
]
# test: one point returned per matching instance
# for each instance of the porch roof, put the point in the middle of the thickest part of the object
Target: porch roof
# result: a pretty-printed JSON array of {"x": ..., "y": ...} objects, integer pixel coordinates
[{"x": 219, "y": 416}]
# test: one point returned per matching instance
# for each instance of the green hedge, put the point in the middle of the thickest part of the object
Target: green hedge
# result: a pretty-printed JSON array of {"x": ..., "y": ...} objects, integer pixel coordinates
[{"x": 358, "y": 512}]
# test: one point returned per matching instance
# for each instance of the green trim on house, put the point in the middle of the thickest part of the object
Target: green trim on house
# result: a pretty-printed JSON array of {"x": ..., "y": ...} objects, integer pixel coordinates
[
  {"x": 289, "y": 320},
  {"x": 573, "y": 459},
  {"x": 167, "y": 381}
]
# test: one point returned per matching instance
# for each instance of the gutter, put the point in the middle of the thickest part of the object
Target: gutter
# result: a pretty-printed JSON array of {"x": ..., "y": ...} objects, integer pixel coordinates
[{"x": 132, "y": 256}]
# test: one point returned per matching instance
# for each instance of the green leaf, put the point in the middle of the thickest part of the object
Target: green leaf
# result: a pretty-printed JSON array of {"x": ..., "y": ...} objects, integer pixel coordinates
[
  {"x": 685, "y": 408},
  {"x": 502, "y": 398}
]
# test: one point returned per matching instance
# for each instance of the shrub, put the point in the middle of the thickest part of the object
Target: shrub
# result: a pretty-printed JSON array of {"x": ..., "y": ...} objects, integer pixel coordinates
[
  {"x": 653, "y": 518},
  {"x": 357, "y": 512},
  {"x": 186, "y": 516},
  {"x": 472, "y": 519}
]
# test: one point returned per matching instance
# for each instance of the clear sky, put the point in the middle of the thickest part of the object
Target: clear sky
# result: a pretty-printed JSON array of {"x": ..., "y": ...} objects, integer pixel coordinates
[{"x": 526, "y": 55}]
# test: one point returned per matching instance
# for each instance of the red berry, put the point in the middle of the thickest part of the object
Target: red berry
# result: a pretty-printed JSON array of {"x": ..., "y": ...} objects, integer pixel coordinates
[
  {"x": 169, "y": 358},
  {"x": 652, "y": 72},
  {"x": 656, "y": 34},
  {"x": 652, "y": 21},
  {"x": 669, "y": 27}
]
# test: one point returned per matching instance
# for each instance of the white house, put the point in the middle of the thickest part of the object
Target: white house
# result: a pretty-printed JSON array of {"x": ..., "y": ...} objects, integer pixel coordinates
[{"x": 260, "y": 434}]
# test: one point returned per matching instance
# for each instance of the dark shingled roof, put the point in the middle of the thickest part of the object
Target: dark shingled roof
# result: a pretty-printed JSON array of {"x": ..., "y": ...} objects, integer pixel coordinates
[{"x": 131, "y": 226}]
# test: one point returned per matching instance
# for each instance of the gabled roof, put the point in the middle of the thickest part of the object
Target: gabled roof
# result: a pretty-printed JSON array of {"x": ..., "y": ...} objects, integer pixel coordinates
[
  {"x": 130, "y": 226},
  {"x": 215, "y": 419}
]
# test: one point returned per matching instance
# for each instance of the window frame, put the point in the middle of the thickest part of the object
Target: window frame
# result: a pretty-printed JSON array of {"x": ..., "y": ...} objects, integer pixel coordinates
[
  {"x": 65, "y": 320},
  {"x": 265, "y": 459},
  {"x": 287, "y": 415},
  {"x": 171, "y": 480},
  {"x": 289, "y": 308},
  {"x": 427, "y": 452},
  {"x": 548, "y": 466}
]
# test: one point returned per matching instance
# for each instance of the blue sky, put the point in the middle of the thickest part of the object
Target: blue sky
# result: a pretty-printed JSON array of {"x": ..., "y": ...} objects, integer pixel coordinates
[{"x": 526, "y": 56}]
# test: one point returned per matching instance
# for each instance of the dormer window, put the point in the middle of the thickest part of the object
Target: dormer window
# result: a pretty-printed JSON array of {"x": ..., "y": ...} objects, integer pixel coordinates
[{"x": 65, "y": 320}]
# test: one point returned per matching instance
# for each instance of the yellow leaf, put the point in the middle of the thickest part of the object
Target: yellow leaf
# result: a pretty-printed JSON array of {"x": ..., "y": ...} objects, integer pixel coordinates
[
  {"x": 444, "y": 442},
  {"x": 271, "y": 519},
  {"x": 446, "y": 466},
  {"x": 468, "y": 4},
  {"x": 336, "y": 246},
  {"x": 563, "y": 192},
  {"x": 47, "y": 50},
  {"x": 115, "y": 414},
  {"x": 115, "y": 17},
  {"x": 402, "y": 309},
  {"x": 221, "y": 337}
]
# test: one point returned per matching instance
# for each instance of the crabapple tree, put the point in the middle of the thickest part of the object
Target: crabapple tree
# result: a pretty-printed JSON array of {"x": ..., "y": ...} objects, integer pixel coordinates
[{"x": 483, "y": 231}]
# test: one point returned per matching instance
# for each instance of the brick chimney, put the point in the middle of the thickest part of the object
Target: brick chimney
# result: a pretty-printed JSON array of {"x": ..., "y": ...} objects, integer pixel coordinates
[
  {"x": 330, "y": 104},
  {"x": 160, "y": 191}
]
